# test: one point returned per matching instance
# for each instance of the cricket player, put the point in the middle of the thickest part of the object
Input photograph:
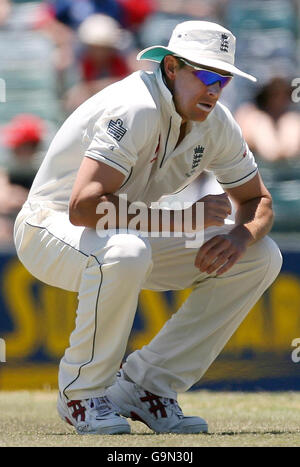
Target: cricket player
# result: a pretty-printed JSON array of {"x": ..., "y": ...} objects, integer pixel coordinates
[{"x": 146, "y": 136}]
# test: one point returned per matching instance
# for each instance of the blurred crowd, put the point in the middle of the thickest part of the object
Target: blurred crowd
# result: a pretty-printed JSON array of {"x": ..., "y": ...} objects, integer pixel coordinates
[{"x": 55, "y": 54}]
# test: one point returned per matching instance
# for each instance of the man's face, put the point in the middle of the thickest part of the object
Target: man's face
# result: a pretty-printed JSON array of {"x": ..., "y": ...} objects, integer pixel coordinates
[{"x": 193, "y": 99}]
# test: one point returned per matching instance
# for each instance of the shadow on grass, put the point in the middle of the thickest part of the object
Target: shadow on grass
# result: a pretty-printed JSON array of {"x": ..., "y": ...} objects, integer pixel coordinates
[
  {"x": 239, "y": 433},
  {"x": 223, "y": 433}
]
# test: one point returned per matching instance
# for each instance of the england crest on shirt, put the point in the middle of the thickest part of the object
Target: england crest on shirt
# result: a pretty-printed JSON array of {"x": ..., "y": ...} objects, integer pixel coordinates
[{"x": 198, "y": 154}]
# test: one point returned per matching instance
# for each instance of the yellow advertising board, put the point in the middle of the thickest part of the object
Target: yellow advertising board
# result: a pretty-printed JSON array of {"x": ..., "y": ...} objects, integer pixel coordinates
[{"x": 36, "y": 321}]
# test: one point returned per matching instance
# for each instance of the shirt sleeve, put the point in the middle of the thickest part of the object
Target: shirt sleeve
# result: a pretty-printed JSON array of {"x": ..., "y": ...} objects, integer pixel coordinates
[
  {"x": 119, "y": 135},
  {"x": 234, "y": 164}
]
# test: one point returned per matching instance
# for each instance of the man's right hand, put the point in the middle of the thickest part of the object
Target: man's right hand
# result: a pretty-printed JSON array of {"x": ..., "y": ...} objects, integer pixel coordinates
[{"x": 216, "y": 209}]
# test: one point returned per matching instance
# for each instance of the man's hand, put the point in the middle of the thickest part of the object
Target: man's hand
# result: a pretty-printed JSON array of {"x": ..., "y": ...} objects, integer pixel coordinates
[
  {"x": 216, "y": 209},
  {"x": 221, "y": 252}
]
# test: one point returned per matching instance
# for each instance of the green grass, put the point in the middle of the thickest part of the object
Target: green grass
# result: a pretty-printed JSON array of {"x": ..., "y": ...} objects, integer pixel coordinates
[{"x": 29, "y": 418}]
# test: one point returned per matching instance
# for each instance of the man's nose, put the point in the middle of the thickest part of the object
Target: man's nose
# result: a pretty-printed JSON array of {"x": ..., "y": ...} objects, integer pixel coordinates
[{"x": 214, "y": 89}]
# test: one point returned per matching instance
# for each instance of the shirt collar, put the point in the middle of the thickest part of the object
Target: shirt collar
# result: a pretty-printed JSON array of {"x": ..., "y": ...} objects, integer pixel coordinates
[{"x": 167, "y": 96}]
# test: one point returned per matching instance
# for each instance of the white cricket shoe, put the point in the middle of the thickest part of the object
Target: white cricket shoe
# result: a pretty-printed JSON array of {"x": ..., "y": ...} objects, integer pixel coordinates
[
  {"x": 92, "y": 416},
  {"x": 161, "y": 414}
]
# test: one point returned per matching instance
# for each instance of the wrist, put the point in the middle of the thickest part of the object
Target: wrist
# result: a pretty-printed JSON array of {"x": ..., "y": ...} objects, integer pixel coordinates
[{"x": 242, "y": 233}]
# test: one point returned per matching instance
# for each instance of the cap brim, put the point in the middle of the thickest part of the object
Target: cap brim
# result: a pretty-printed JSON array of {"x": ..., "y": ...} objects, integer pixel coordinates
[{"x": 157, "y": 53}]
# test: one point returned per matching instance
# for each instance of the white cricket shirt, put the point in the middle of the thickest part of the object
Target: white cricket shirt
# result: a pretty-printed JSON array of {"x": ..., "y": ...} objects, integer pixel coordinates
[{"x": 133, "y": 126}]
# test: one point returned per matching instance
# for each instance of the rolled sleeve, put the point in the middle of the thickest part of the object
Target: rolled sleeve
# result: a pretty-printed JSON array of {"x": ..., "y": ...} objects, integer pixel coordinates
[{"x": 242, "y": 169}]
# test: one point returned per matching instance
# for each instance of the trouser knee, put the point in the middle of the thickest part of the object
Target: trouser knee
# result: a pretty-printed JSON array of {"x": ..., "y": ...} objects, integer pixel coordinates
[
  {"x": 130, "y": 254},
  {"x": 270, "y": 254}
]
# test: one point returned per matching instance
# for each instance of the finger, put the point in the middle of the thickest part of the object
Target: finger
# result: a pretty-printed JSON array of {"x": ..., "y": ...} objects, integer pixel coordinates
[
  {"x": 214, "y": 222},
  {"x": 221, "y": 260},
  {"x": 224, "y": 205},
  {"x": 223, "y": 199},
  {"x": 231, "y": 262},
  {"x": 215, "y": 258},
  {"x": 215, "y": 205},
  {"x": 203, "y": 250},
  {"x": 218, "y": 208},
  {"x": 215, "y": 217},
  {"x": 220, "y": 198},
  {"x": 214, "y": 200},
  {"x": 211, "y": 243},
  {"x": 207, "y": 246}
]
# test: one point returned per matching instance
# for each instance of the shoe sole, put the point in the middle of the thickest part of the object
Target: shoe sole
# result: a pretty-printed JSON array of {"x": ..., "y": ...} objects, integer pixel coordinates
[
  {"x": 136, "y": 415},
  {"x": 109, "y": 430},
  {"x": 115, "y": 430}
]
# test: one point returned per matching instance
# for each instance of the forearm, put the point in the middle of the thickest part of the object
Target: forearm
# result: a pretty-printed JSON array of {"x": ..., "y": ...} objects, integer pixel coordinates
[
  {"x": 254, "y": 219},
  {"x": 137, "y": 216},
  {"x": 110, "y": 211}
]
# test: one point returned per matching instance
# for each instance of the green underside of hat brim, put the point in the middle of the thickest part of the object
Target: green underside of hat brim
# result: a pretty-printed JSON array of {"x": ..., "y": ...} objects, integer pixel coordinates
[{"x": 156, "y": 54}]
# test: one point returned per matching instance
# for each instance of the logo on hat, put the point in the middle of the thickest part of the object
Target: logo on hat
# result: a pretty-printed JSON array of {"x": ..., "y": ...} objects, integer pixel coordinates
[{"x": 224, "y": 42}]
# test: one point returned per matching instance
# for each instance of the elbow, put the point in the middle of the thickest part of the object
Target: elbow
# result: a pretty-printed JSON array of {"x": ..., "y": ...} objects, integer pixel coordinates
[
  {"x": 75, "y": 218},
  {"x": 269, "y": 210},
  {"x": 76, "y": 213},
  {"x": 83, "y": 211}
]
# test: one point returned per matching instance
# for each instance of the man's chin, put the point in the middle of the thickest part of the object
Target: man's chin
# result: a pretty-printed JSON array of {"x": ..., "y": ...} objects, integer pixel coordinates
[
  {"x": 200, "y": 117},
  {"x": 197, "y": 116}
]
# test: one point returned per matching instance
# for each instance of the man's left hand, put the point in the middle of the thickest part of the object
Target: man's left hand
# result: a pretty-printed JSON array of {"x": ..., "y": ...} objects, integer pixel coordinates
[{"x": 220, "y": 253}]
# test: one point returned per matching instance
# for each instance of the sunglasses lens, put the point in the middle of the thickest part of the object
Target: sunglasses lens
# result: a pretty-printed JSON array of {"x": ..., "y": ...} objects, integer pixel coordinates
[{"x": 209, "y": 77}]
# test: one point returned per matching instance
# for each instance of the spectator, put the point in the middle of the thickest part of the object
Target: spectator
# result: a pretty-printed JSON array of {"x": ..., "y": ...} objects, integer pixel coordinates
[
  {"x": 12, "y": 198},
  {"x": 270, "y": 127},
  {"x": 22, "y": 139},
  {"x": 129, "y": 13},
  {"x": 20, "y": 159},
  {"x": 135, "y": 12},
  {"x": 5, "y": 10},
  {"x": 102, "y": 40},
  {"x": 267, "y": 32},
  {"x": 73, "y": 12},
  {"x": 100, "y": 61},
  {"x": 61, "y": 19},
  {"x": 62, "y": 37}
]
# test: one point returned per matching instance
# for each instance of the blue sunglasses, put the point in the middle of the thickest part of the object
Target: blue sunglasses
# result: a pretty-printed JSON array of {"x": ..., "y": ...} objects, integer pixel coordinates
[{"x": 209, "y": 77}]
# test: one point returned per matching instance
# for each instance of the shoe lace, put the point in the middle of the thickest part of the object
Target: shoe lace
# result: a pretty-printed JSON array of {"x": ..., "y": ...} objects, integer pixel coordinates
[
  {"x": 173, "y": 405},
  {"x": 101, "y": 405}
]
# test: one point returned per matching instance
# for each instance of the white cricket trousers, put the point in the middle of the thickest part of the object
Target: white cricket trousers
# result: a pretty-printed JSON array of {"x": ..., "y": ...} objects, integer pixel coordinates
[{"x": 108, "y": 274}]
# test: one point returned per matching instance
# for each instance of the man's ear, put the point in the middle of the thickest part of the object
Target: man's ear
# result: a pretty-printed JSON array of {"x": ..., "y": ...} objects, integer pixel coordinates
[{"x": 171, "y": 66}]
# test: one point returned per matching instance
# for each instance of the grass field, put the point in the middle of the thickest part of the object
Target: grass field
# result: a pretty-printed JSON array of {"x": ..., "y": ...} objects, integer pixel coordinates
[{"x": 235, "y": 419}]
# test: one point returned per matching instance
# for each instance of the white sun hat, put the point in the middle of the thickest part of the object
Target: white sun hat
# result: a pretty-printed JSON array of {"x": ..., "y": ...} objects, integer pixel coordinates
[
  {"x": 201, "y": 42},
  {"x": 102, "y": 30}
]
